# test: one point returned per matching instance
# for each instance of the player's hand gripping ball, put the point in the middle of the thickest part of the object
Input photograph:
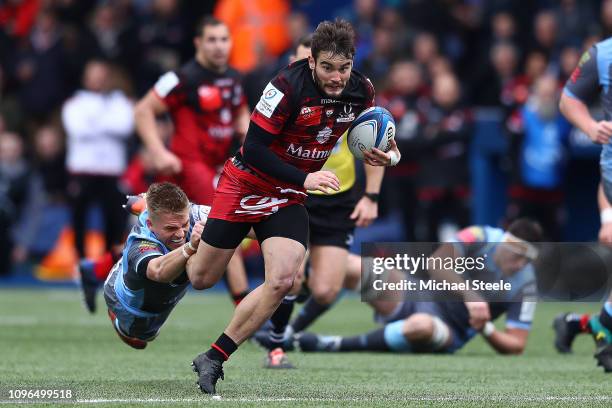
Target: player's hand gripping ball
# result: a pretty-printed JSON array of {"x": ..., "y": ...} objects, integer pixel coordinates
[{"x": 374, "y": 127}]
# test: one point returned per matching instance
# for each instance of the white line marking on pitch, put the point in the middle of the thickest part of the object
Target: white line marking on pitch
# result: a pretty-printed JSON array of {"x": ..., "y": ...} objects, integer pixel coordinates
[{"x": 271, "y": 399}]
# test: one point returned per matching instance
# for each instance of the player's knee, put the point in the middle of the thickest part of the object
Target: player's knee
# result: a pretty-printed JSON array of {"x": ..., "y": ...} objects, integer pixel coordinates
[
  {"x": 280, "y": 285},
  {"x": 419, "y": 327},
  {"x": 325, "y": 295},
  {"x": 203, "y": 282}
]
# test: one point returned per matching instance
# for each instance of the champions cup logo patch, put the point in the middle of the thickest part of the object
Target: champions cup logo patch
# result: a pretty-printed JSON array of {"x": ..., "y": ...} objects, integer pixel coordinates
[
  {"x": 347, "y": 115},
  {"x": 270, "y": 98},
  {"x": 324, "y": 135}
]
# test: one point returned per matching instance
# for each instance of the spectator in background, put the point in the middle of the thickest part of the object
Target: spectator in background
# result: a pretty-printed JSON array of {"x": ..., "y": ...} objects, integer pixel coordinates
[
  {"x": 499, "y": 75},
  {"x": 443, "y": 180},
  {"x": 253, "y": 24},
  {"x": 576, "y": 20},
  {"x": 405, "y": 96},
  {"x": 546, "y": 35},
  {"x": 98, "y": 121},
  {"x": 39, "y": 68},
  {"x": 606, "y": 18},
  {"x": 49, "y": 162},
  {"x": 15, "y": 190},
  {"x": 163, "y": 42},
  {"x": 568, "y": 61},
  {"x": 376, "y": 65},
  {"x": 541, "y": 157},
  {"x": 425, "y": 48}
]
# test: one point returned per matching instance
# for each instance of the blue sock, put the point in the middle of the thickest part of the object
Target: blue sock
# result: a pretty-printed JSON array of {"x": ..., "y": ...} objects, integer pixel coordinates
[{"x": 394, "y": 337}]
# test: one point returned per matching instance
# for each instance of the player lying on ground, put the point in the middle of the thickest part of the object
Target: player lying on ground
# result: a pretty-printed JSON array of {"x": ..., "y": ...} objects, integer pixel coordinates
[
  {"x": 150, "y": 279},
  {"x": 591, "y": 78},
  {"x": 446, "y": 326}
]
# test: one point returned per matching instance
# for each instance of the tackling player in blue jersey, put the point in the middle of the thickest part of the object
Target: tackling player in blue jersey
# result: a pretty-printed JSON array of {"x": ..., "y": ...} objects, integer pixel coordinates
[
  {"x": 149, "y": 279},
  {"x": 446, "y": 326},
  {"x": 590, "y": 79}
]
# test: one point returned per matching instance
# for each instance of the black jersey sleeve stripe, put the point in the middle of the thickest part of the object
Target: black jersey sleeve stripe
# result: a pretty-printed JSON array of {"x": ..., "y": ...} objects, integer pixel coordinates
[{"x": 256, "y": 153}]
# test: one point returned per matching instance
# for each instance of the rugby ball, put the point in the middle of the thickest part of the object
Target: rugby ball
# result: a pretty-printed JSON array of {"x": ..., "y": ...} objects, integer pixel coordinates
[{"x": 374, "y": 127}]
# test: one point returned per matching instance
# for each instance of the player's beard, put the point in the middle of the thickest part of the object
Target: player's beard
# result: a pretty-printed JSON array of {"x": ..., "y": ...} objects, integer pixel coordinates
[{"x": 321, "y": 85}]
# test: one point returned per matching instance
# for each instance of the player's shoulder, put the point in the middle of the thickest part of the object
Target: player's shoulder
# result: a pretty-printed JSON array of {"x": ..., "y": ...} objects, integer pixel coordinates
[
  {"x": 293, "y": 75},
  {"x": 359, "y": 86},
  {"x": 604, "y": 45}
]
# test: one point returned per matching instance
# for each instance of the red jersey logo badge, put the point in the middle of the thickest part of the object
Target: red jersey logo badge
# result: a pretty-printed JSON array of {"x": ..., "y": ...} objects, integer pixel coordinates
[
  {"x": 309, "y": 115},
  {"x": 209, "y": 97}
]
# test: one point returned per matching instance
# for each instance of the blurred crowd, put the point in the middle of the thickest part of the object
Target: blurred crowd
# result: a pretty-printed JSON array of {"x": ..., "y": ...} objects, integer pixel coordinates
[{"x": 70, "y": 71}]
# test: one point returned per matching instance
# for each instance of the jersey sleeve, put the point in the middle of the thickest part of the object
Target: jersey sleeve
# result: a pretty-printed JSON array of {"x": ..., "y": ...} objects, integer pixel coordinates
[
  {"x": 140, "y": 253},
  {"x": 583, "y": 84},
  {"x": 469, "y": 239},
  {"x": 370, "y": 93},
  {"x": 170, "y": 90},
  {"x": 274, "y": 107},
  {"x": 521, "y": 311},
  {"x": 197, "y": 213}
]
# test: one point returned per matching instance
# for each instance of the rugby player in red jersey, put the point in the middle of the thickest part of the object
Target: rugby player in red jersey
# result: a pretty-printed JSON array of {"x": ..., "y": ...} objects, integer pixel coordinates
[
  {"x": 208, "y": 108},
  {"x": 294, "y": 127}
]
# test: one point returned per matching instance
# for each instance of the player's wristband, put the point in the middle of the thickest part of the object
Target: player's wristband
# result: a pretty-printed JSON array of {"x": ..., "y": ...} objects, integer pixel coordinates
[
  {"x": 185, "y": 254},
  {"x": 191, "y": 246},
  {"x": 488, "y": 329},
  {"x": 606, "y": 216},
  {"x": 395, "y": 158}
]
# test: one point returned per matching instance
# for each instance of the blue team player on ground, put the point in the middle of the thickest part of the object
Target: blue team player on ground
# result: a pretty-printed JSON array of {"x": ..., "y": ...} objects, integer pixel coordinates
[{"x": 444, "y": 326}]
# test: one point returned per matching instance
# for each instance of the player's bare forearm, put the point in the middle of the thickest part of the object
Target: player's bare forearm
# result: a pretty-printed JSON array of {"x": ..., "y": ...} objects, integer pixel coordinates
[
  {"x": 577, "y": 113},
  {"x": 510, "y": 341},
  {"x": 168, "y": 267},
  {"x": 373, "y": 178},
  {"x": 241, "y": 123},
  {"x": 602, "y": 201},
  {"x": 145, "y": 112}
]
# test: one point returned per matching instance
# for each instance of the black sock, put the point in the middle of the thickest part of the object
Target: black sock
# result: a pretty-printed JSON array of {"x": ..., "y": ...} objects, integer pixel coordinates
[
  {"x": 280, "y": 320},
  {"x": 372, "y": 341},
  {"x": 238, "y": 298},
  {"x": 222, "y": 349},
  {"x": 309, "y": 313},
  {"x": 605, "y": 317}
]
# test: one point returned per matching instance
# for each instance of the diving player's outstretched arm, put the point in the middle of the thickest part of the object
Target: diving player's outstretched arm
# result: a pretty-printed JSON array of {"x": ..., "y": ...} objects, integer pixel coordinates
[{"x": 168, "y": 267}]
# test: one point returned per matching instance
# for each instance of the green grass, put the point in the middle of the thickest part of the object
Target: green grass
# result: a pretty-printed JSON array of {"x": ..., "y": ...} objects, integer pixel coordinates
[{"x": 47, "y": 340}]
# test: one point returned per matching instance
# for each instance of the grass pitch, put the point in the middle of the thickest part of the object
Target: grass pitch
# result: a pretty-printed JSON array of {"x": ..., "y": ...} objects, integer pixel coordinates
[{"x": 47, "y": 340}]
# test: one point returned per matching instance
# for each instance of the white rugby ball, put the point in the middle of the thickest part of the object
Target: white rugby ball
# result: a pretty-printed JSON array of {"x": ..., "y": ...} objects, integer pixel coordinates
[{"x": 374, "y": 127}]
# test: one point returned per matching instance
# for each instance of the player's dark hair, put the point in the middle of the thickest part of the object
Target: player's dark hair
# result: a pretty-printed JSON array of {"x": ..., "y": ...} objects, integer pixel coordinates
[
  {"x": 206, "y": 21},
  {"x": 337, "y": 38},
  {"x": 166, "y": 198},
  {"x": 305, "y": 41},
  {"x": 526, "y": 229}
]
